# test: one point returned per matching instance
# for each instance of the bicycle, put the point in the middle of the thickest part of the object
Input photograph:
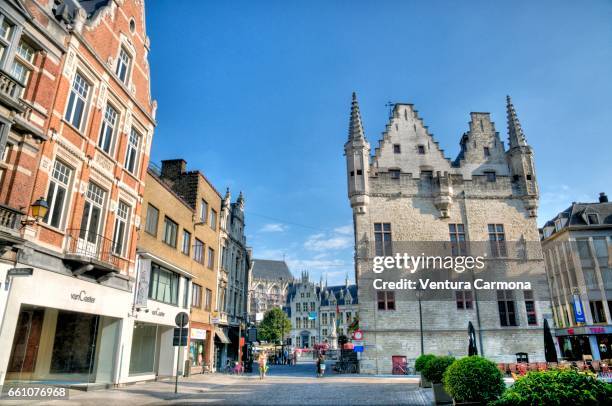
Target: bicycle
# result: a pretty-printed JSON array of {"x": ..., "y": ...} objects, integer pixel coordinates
[{"x": 402, "y": 370}]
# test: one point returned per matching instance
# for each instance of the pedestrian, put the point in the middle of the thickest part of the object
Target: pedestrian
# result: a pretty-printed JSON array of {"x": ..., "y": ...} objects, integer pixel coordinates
[
  {"x": 263, "y": 364},
  {"x": 286, "y": 357},
  {"x": 320, "y": 365}
]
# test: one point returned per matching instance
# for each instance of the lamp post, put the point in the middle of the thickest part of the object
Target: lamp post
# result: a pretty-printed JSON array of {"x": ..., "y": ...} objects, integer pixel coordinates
[{"x": 39, "y": 210}]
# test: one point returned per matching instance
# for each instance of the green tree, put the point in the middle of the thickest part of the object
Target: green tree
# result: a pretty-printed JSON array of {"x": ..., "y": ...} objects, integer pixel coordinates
[{"x": 274, "y": 323}]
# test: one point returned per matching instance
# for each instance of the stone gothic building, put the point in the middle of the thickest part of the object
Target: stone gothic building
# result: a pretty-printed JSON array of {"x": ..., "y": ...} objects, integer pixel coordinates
[
  {"x": 268, "y": 286},
  {"x": 407, "y": 193}
]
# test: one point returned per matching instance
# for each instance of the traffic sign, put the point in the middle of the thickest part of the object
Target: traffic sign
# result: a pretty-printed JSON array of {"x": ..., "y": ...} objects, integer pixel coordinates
[
  {"x": 181, "y": 319},
  {"x": 358, "y": 348},
  {"x": 357, "y": 335},
  {"x": 180, "y": 337}
]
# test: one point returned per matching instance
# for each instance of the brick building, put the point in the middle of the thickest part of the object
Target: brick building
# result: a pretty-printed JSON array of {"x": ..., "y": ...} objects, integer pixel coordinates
[
  {"x": 577, "y": 246},
  {"x": 82, "y": 144},
  {"x": 408, "y": 194},
  {"x": 204, "y": 203}
]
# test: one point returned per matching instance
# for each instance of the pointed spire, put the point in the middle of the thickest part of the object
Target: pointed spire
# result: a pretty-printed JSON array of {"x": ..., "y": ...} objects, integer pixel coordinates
[
  {"x": 240, "y": 201},
  {"x": 515, "y": 132},
  {"x": 355, "y": 126}
]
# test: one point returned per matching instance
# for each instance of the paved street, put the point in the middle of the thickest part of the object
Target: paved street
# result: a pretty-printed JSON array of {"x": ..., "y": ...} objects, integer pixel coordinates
[{"x": 285, "y": 385}]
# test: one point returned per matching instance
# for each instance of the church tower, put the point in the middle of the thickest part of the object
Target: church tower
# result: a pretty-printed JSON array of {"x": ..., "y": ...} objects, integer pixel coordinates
[
  {"x": 357, "y": 152},
  {"x": 520, "y": 161}
]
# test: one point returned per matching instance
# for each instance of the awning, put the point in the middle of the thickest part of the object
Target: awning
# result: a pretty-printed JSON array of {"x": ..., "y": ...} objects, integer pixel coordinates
[{"x": 222, "y": 336}]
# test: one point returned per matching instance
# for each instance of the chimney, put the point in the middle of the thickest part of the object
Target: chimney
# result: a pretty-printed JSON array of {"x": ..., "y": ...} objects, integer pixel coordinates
[
  {"x": 603, "y": 198},
  {"x": 173, "y": 168}
]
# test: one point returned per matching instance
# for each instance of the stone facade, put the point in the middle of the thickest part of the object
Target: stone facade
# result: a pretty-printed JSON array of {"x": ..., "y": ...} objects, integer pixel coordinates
[
  {"x": 268, "y": 287},
  {"x": 409, "y": 188}
]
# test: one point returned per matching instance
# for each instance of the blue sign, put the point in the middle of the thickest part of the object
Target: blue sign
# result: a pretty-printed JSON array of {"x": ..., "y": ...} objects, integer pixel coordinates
[
  {"x": 358, "y": 348},
  {"x": 578, "y": 310},
  {"x": 312, "y": 316}
]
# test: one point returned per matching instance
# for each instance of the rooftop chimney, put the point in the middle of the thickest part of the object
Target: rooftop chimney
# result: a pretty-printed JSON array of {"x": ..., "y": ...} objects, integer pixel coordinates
[
  {"x": 173, "y": 168},
  {"x": 603, "y": 198}
]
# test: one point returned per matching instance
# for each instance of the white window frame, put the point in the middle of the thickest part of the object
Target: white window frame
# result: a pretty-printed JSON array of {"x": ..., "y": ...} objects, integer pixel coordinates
[
  {"x": 108, "y": 122},
  {"x": 121, "y": 62},
  {"x": 122, "y": 216},
  {"x": 70, "y": 110},
  {"x": 54, "y": 183},
  {"x": 131, "y": 147}
]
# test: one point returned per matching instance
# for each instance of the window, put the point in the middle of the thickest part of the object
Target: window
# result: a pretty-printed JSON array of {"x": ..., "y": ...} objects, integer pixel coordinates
[
  {"x": 213, "y": 219},
  {"x": 382, "y": 239},
  {"x": 208, "y": 300},
  {"x": 324, "y": 319},
  {"x": 348, "y": 317},
  {"x": 421, "y": 149},
  {"x": 487, "y": 152},
  {"x": 324, "y": 332},
  {"x": 395, "y": 173},
  {"x": 312, "y": 325},
  {"x": 57, "y": 194},
  {"x": 24, "y": 57},
  {"x": 198, "y": 251},
  {"x": 203, "y": 211},
  {"x": 123, "y": 65},
  {"x": 170, "y": 230},
  {"x": 386, "y": 300},
  {"x": 131, "y": 156},
  {"x": 532, "y": 319},
  {"x": 497, "y": 240},
  {"x": 397, "y": 148},
  {"x": 457, "y": 238},
  {"x": 464, "y": 299},
  {"x": 186, "y": 242},
  {"x": 6, "y": 32},
  {"x": 91, "y": 221},
  {"x": 196, "y": 296},
  {"x": 302, "y": 294},
  {"x": 108, "y": 129},
  {"x": 593, "y": 219},
  {"x": 427, "y": 176},
  {"x": 211, "y": 258},
  {"x": 185, "y": 292},
  {"x": 491, "y": 177},
  {"x": 298, "y": 307},
  {"x": 152, "y": 219},
  {"x": 298, "y": 324},
  {"x": 597, "y": 310},
  {"x": 312, "y": 306},
  {"x": 121, "y": 222},
  {"x": 505, "y": 304},
  {"x": 77, "y": 101},
  {"x": 164, "y": 285}
]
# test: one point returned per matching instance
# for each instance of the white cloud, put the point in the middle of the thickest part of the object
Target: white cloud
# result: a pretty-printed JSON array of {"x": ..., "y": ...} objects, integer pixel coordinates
[
  {"x": 274, "y": 228},
  {"x": 322, "y": 242},
  {"x": 558, "y": 198},
  {"x": 347, "y": 229}
]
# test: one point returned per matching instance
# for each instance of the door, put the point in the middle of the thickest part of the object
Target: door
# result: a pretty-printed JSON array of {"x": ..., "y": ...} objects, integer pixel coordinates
[
  {"x": 22, "y": 362},
  {"x": 399, "y": 363}
]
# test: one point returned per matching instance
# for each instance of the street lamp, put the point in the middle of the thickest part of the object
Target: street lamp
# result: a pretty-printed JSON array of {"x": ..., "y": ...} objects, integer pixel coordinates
[{"x": 39, "y": 210}]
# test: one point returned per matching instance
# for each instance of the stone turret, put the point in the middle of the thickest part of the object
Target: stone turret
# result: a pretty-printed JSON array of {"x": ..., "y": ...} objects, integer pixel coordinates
[
  {"x": 357, "y": 152},
  {"x": 520, "y": 160}
]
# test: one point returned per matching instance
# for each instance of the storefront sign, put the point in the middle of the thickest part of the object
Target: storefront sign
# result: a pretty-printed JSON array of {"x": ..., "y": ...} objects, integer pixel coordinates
[
  {"x": 158, "y": 312},
  {"x": 82, "y": 297},
  {"x": 142, "y": 292},
  {"x": 198, "y": 334},
  {"x": 578, "y": 310}
]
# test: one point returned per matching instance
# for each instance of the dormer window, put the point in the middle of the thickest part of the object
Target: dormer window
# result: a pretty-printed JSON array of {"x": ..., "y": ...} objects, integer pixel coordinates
[
  {"x": 123, "y": 65},
  {"x": 593, "y": 218},
  {"x": 487, "y": 152},
  {"x": 421, "y": 149},
  {"x": 491, "y": 177},
  {"x": 558, "y": 225}
]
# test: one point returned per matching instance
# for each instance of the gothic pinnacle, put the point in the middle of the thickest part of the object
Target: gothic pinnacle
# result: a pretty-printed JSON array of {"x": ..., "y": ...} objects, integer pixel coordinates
[
  {"x": 355, "y": 126},
  {"x": 515, "y": 132}
]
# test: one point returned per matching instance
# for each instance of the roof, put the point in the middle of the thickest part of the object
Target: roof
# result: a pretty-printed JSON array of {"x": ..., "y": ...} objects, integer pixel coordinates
[
  {"x": 340, "y": 293},
  {"x": 577, "y": 215},
  {"x": 271, "y": 270}
]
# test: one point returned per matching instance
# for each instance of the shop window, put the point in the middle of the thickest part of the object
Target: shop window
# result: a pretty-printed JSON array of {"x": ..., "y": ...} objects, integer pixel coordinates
[{"x": 144, "y": 343}]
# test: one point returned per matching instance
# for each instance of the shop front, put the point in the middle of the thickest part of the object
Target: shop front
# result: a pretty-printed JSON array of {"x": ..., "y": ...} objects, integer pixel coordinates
[
  {"x": 62, "y": 329},
  {"x": 200, "y": 347},
  {"x": 591, "y": 341}
]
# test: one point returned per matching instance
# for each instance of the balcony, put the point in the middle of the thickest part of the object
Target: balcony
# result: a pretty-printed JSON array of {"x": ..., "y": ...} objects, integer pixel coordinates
[
  {"x": 92, "y": 254},
  {"x": 10, "y": 92},
  {"x": 10, "y": 224}
]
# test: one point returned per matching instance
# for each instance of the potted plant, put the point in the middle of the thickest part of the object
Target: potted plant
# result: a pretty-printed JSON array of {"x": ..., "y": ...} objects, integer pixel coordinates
[
  {"x": 433, "y": 372},
  {"x": 473, "y": 380},
  {"x": 419, "y": 365},
  {"x": 557, "y": 387}
]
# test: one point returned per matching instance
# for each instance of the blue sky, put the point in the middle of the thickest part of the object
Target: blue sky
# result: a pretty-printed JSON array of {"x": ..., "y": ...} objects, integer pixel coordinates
[{"x": 256, "y": 94}]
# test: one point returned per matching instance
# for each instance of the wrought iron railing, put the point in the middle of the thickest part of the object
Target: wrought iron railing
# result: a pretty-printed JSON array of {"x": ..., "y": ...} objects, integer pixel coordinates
[
  {"x": 10, "y": 218},
  {"x": 88, "y": 244}
]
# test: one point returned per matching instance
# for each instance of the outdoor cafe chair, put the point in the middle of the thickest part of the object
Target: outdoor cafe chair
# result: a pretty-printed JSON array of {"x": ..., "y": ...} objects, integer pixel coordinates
[{"x": 542, "y": 366}]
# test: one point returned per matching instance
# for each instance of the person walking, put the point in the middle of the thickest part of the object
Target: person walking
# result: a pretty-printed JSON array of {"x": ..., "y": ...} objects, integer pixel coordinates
[
  {"x": 263, "y": 364},
  {"x": 320, "y": 365}
]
